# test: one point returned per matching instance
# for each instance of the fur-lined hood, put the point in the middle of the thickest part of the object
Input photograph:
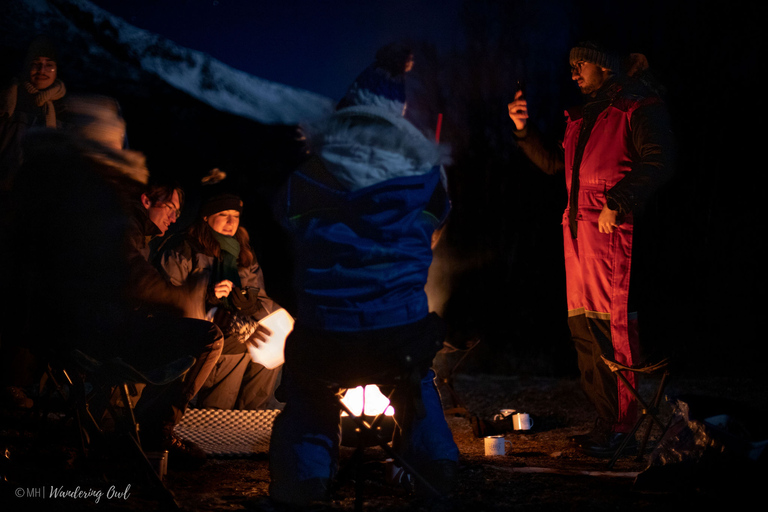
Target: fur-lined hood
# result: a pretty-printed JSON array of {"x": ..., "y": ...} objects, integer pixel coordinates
[{"x": 365, "y": 145}]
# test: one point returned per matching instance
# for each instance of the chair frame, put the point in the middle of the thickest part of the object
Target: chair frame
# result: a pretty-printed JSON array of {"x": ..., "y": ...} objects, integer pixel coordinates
[
  {"x": 106, "y": 377},
  {"x": 649, "y": 410},
  {"x": 446, "y": 381},
  {"x": 368, "y": 436}
]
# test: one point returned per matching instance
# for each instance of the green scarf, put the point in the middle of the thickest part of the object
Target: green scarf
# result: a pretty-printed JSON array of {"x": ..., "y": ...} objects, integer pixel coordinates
[{"x": 226, "y": 266}]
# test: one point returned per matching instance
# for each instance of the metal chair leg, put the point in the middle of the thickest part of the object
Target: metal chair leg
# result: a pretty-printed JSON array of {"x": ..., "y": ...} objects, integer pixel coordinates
[
  {"x": 649, "y": 410},
  {"x": 365, "y": 430}
]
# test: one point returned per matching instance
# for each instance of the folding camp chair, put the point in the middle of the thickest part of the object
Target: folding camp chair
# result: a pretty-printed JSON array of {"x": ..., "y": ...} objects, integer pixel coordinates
[
  {"x": 88, "y": 385},
  {"x": 649, "y": 410},
  {"x": 445, "y": 376}
]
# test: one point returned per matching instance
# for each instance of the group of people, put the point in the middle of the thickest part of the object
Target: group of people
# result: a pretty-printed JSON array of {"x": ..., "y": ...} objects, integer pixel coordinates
[
  {"x": 361, "y": 210},
  {"x": 71, "y": 183}
]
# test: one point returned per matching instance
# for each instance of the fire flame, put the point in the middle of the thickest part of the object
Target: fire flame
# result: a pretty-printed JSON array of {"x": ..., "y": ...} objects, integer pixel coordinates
[{"x": 369, "y": 400}]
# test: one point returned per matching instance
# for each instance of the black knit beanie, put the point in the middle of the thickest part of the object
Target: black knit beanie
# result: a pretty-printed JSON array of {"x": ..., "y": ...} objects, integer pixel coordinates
[
  {"x": 41, "y": 46},
  {"x": 596, "y": 54},
  {"x": 221, "y": 202}
]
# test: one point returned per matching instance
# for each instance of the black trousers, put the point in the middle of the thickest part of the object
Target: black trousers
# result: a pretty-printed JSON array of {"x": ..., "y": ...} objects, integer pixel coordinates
[
  {"x": 153, "y": 342},
  {"x": 592, "y": 338}
]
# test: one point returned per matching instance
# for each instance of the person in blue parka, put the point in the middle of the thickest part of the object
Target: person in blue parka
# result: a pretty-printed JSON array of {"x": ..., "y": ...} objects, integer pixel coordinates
[{"x": 361, "y": 212}]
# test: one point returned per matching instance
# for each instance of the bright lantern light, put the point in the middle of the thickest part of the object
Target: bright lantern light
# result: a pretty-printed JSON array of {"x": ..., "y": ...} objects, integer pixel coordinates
[{"x": 371, "y": 398}]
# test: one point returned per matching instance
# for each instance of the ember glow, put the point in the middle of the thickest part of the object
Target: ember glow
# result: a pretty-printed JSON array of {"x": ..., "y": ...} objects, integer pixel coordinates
[{"x": 369, "y": 400}]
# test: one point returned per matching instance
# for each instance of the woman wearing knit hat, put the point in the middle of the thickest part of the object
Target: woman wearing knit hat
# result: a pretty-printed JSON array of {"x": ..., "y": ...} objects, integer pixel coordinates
[{"x": 236, "y": 301}]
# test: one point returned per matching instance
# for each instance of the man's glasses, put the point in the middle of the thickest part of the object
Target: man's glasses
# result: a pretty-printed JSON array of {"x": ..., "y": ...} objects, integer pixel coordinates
[{"x": 173, "y": 211}]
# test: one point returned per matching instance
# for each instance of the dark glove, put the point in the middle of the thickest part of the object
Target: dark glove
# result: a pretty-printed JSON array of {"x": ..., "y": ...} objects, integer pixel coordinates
[{"x": 245, "y": 300}]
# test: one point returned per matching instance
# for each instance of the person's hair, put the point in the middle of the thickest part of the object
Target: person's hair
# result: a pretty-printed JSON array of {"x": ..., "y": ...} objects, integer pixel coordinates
[
  {"x": 203, "y": 233},
  {"x": 158, "y": 192}
]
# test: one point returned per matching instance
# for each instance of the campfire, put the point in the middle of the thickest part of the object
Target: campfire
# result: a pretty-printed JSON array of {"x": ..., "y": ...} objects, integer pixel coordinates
[{"x": 367, "y": 402}]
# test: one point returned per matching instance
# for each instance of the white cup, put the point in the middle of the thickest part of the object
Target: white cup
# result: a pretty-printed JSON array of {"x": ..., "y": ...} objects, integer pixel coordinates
[
  {"x": 495, "y": 445},
  {"x": 522, "y": 421},
  {"x": 503, "y": 413},
  {"x": 159, "y": 461}
]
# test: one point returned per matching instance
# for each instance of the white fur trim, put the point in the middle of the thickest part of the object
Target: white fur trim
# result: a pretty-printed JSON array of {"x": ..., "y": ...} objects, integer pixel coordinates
[
  {"x": 365, "y": 145},
  {"x": 364, "y": 97}
]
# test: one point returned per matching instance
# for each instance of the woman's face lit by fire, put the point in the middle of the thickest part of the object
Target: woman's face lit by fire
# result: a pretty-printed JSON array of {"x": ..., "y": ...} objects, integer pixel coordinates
[{"x": 225, "y": 222}]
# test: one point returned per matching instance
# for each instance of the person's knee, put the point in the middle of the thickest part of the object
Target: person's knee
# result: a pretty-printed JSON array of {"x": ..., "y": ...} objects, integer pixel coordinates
[
  {"x": 213, "y": 341},
  {"x": 217, "y": 337}
]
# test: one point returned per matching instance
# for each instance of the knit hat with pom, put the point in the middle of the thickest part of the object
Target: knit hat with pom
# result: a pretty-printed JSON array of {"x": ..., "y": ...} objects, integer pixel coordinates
[
  {"x": 382, "y": 84},
  {"x": 218, "y": 194}
]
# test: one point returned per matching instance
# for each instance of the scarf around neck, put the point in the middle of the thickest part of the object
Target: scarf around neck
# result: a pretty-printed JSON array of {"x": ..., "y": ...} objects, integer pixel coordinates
[
  {"x": 45, "y": 99},
  {"x": 227, "y": 265}
]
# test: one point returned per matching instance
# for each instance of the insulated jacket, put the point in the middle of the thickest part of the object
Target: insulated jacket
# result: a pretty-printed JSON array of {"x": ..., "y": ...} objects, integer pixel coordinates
[
  {"x": 149, "y": 292},
  {"x": 617, "y": 150},
  {"x": 643, "y": 149},
  {"x": 362, "y": 211},
  {"x": 186, "y": 258}
]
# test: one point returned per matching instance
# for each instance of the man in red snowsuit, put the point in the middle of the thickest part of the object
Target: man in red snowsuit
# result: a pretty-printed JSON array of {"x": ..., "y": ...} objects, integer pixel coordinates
[{"x": 616, "y": 151}]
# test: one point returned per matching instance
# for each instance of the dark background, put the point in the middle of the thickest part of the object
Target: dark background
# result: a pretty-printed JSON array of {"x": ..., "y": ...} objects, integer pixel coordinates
[{"x": 699, "y": 273}]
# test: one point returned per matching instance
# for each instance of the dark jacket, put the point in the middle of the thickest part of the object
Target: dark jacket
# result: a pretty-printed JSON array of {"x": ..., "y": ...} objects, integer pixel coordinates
[
  {"x": 149, "y": 291},
  {"x": 80, "y": 243},
  {"x": 185, "y": 259},
  {"x": 19, "y": 113},
  {"x": 71, "y": 217}
]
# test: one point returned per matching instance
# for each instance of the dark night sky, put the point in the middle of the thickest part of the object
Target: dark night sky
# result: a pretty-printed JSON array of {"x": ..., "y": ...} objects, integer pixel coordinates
[{"x": 294, "y": 42}]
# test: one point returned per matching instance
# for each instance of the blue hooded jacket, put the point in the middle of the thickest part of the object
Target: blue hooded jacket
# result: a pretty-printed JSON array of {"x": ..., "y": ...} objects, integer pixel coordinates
[{"x": 362, "y": 212}]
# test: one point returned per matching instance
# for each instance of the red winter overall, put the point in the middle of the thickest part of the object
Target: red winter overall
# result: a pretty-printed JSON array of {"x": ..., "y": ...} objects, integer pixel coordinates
[{"x": 598, "y": 264}]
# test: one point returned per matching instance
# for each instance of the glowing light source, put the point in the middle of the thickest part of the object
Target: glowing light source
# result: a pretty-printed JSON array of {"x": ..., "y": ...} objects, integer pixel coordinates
[{"x": 368, "y": 400}]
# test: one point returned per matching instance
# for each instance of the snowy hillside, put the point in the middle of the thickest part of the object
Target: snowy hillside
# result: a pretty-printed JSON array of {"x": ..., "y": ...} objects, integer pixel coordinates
[{"x": 191, "y": 71}]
